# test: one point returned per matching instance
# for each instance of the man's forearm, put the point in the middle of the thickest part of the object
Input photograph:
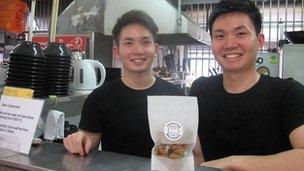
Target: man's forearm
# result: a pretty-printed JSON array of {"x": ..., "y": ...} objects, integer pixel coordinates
[
  {"x": 197, "y": 153},
  {"x": 292, "y": 160},
  {"x": 94, "y": 137}
]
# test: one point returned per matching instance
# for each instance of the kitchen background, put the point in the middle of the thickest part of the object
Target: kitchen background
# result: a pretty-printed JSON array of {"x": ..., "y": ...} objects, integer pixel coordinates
[
  {"x": 85, "y": 28},
  {"x": 181, "y": 59}
]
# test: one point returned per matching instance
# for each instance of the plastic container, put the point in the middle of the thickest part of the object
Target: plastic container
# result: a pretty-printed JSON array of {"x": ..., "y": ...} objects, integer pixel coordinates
[
  {"x": 12, "y": 26},
  {"x": 13, "y": 5},
  {"x": 11, "y": 15}
]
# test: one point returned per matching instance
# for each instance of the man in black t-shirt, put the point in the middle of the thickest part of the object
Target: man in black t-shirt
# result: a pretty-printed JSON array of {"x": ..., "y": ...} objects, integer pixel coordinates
[
  {"x": 247, "y": 121},
  {"x": 115, "y": 114}
]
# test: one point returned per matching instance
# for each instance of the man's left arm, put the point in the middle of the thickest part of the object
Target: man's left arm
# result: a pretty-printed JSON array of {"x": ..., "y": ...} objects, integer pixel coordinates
[
  {"x": 197, "y": 153},
  {"x": 288, "y": 160}
]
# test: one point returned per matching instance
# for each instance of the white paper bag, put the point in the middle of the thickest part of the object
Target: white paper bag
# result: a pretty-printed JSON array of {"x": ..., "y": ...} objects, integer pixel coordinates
[
  {"x": 173, "y": 122},
  {"x": 54, "y": 126}
]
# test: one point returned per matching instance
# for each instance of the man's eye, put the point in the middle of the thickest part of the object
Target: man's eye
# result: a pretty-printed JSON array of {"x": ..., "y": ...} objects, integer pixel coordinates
[
  {"x": 242, "y": 34},
  {"x": 218, "y": 36},
  {"x": 147, "y": 42},
  {"x": 127, "y": 43}
]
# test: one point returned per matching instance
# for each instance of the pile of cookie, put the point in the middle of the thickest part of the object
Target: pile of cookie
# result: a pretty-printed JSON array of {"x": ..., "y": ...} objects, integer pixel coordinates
[{"x": 172, "y": 151}]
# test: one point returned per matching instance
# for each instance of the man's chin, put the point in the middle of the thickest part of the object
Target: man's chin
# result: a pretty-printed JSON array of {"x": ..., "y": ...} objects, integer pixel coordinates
[{"x": 139, "y": 70}]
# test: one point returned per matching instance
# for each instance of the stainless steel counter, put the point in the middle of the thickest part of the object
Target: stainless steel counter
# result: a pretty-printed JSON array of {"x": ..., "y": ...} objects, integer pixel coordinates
[{"x": 53, "y": 156}]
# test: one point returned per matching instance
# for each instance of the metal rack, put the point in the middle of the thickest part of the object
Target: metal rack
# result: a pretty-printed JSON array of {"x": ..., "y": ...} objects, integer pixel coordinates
[
  {"x": 4, "y": 42},
  {"x": 70, "y": 105}
]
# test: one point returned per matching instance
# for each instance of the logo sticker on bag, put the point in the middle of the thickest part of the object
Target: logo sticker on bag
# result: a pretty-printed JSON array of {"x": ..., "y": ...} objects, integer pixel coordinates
[{"x": 173, "y": 131}]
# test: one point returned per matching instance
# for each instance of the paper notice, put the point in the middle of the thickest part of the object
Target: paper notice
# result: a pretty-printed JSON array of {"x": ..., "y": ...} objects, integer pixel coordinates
[{"x": 18, "y": 121}]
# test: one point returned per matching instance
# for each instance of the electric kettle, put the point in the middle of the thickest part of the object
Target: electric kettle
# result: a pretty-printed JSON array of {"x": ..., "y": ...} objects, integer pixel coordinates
[
  {"x": 77, "y": 55},
  {"x": 85, "y": 73}
]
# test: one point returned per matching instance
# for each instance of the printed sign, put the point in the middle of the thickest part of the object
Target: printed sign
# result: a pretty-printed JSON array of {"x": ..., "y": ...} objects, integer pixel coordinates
[
  {"x": 72, "y": 42},
  {"x": 18, "y": 121}
]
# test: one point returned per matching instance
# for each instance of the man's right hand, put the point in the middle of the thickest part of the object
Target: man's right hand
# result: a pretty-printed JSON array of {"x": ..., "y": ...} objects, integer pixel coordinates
[{"x": 81, "y": 142}]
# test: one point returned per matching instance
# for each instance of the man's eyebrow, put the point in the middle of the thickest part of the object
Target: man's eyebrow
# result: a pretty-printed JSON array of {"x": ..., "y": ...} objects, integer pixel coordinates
[
  {"x": 218, "y": 30},
  {"x": 147, "y": 38},
  {"x": 144, "y": 37},
  {"x": 127, "y": 39},
  {"x": 241, "y": 27},
  {"x": 236, "y": 28}
]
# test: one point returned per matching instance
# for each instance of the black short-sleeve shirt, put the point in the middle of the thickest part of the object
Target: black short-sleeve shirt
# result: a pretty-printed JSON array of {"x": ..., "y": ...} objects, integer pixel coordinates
[
  {"x": 120, "y": 114},
  {"x": 255, "y": 122}
]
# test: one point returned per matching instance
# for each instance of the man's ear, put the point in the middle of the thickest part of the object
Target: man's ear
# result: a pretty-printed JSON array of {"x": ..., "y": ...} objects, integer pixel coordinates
[
  {"x": 156, "y": 48},
  {"x": 115, "y": 51},
  {"x": 261, "y": 39}
]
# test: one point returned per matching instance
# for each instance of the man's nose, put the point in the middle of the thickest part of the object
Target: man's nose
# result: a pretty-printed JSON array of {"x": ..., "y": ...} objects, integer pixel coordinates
[
  {"x": 138, "y": 48},
  {"x": 231, "y": 42}
]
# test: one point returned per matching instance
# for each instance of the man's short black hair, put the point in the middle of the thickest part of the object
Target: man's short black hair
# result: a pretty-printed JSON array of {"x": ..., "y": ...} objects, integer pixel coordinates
[
  {"x": 134, "y": 17},
  {"x": 245, "y": 6}
]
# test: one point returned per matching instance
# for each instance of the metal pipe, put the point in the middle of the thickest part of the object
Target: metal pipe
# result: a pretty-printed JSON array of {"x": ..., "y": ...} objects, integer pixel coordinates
[
  {"x": 209, "y": 12},
  {"x": 209, "y": 57},
  {"x": 163, "y": 61},
  {"x": 191, "y": 11},
  {"x": 302, "y": 14},
  {"x": 53, "y": 25},
  {"x": 33, "y": 8},
  {"x": 195, "y": 73},
  {"x": 197, "y": 16},
  {"x": 294, "y": 15},
  {"x": 40, "y": 16},
  {"x": 92, "y": 44},
  {"x": 269, "y": 38},
  {"x": 178, "y": 57},
  {"x": 179, "y": 17},
  {"x": 203, "y": 58},
  {"x": 278, "y": 19},
  {"x": 43, "y": 15},
  {"x": 55, "y": 19},
  {"x": 263, "y": 14},
  {"x": 286, "y": 6},
  {"x": 204, "y": 17}
]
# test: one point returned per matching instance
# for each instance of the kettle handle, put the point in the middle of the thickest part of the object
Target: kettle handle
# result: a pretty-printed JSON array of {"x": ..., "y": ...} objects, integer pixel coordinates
[{"x": 102, "y": 70}]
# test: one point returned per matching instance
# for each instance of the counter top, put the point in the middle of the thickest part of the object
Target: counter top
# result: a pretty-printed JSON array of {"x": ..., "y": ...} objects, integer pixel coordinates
[{"x": 53, "y": 156}]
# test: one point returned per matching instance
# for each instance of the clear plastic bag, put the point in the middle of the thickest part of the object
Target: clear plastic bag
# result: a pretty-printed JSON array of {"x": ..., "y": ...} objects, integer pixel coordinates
[{"x": 173, "y": 122}]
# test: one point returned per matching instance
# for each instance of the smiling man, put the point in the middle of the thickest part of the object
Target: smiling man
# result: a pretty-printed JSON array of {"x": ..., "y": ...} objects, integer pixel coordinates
[
  {"x": 115, "y": 114},
  {"x": 247, "y": 121}
]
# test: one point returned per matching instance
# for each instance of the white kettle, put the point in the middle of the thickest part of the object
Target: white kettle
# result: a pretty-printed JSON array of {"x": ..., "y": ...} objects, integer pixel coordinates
[{"x": 85, "y": 75}]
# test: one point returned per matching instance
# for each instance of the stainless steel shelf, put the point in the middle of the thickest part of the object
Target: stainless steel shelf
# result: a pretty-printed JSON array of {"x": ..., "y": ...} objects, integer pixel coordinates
[{"x": 70, "y": 105}]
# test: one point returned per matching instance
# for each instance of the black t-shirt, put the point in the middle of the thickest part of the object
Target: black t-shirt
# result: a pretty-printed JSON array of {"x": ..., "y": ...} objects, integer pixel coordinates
[
  {"x": 255, "y": 122},
  {"x": 120, "y": 114}
]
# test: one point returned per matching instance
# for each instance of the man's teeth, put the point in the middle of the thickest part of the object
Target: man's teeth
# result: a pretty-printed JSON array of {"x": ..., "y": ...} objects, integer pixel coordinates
[
  {"x": 138, "y": 60},
  {"x": 232, "y": 55}
]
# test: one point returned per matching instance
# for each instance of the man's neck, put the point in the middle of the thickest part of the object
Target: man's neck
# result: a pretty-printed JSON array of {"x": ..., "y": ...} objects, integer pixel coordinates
[
  {"x": 140, "y": 81},
  {"x": 240, "y": 82}
]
